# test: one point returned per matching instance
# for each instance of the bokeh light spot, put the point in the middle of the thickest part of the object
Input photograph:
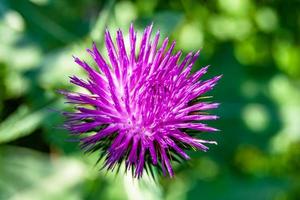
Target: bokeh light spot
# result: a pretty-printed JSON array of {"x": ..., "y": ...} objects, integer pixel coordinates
[
  {"x": 235, "y": 7},
  {"x": 224, "y": 27},
  {"x": 256, "y": 117},
  {"x": 191, "y": 37},
  {"x": 266, "y": 19},
  {"x": 287, "y": 57},
  {"x": 125, "y": 13},
  {"x": 14, "y": 20}
]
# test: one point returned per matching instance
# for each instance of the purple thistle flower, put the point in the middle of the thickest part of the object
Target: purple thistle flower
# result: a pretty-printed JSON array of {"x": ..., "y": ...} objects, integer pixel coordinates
[{"x": 141, "y": 108}]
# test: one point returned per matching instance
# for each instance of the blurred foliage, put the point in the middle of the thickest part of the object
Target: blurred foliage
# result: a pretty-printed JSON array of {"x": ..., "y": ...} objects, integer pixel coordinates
[{"x": 254, "y": 44}]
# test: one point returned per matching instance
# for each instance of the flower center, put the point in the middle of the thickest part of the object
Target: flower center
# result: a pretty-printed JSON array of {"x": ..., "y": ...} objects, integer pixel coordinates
[{"x": 151, "y": 105}]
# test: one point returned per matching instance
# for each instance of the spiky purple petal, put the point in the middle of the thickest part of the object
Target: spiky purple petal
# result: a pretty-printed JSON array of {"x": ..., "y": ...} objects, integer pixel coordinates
[{"x": 139, "y": 107}]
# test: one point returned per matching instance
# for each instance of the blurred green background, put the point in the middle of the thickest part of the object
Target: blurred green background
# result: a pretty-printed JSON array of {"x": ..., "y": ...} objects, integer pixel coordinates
[{"x": 254, "y": 44}]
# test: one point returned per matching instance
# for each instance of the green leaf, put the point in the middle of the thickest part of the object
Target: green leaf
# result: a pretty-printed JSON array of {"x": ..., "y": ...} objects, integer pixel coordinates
[
  {"x": 21, "y": 123},
  {"x": 27, "y": 174}
]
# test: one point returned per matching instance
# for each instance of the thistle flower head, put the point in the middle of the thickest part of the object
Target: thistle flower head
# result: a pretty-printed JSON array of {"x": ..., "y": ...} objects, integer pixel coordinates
[{"x": 140, "y": 106}]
